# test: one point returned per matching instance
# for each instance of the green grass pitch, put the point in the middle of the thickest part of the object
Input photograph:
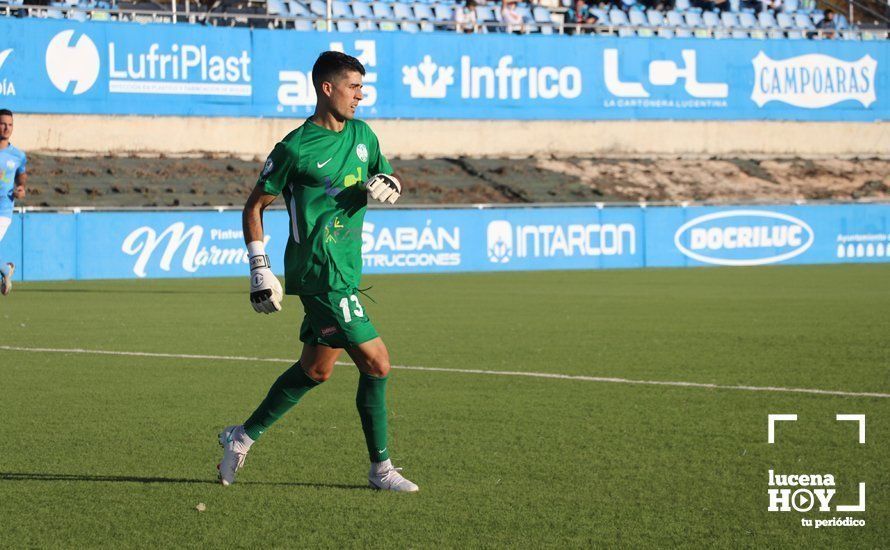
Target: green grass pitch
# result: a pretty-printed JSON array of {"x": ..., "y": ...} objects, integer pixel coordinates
[{"x": 117, "y": 450}]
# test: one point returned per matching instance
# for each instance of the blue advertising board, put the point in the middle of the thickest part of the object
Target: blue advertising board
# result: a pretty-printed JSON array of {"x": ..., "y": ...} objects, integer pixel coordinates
[
  {"x": 102, "y": 245},
  {"x": 52, "y": 66}
]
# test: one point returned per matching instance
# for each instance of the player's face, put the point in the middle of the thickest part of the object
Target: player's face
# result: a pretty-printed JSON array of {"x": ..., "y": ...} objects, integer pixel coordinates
[
  {"x": 5, "y": 127},
  {"x": 346, "y": 92}
]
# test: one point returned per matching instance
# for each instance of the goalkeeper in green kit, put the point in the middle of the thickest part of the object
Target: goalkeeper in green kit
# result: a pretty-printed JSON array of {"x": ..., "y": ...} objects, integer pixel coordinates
[{"x": 326, "y": 169}]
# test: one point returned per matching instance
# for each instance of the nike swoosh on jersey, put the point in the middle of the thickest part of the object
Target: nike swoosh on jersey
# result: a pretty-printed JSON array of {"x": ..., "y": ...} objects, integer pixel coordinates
[{"x": 321, "y": 164}]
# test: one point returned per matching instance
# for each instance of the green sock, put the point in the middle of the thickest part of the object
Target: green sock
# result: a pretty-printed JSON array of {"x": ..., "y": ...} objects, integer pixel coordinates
[
  {"x": 284, "y": 394},
  {"x": 370, "y": 399}
]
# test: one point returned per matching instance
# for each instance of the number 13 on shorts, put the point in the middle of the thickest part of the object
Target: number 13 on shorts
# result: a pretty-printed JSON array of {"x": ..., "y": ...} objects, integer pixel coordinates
[{"x": 351, "y": 309}]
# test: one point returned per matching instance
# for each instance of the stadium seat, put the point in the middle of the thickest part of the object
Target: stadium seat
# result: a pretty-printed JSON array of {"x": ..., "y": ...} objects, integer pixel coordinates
[
  {"x": 403, "y": 12},
  {"x": 602, "y": 16},
  {"x": 318, "y": 7},
  {"x": 618, "y": 18},
  {"x": 693, "y": 19},
  {"x": 542, "y": 18},
  {"x": 485, "y": 13},
  {"x": 675, "y": 19},
  {"x": 695, "y": 22},
  {"x": 423, "y": 12},
  {"x": 711, "y": 20},
  {"x": 655, "y": 18},
  {"x": 767, "y": 20},
  {"x": 525, "y": 12},
  {"x": 816, "y": 16},
  {"x": 340, "y": 9},
  {"x": 443, "y": 12},
  {"x": 361, "y": 10},
  {"x": 345, "y": 26},
  {"x": 802, "y": 21},
  {"x": 747, "y": 20},
  {"x": 638, "y": 19},
  {"x": 276, "y": 7},
  {"x": 792, "y": 20},
  {"x": 486, "y": 18},
  {"x": 730, "y": 20},
  {"x": 296, "y": 9},
  {"x": 381, "y": 10},
  {"x": 384, "y": 11},
  {"x": 784, "y": 21}
]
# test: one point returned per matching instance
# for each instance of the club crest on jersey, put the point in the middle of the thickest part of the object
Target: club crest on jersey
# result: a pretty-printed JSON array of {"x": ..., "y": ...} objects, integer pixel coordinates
[
  {"x": 10, "y": 164},
  {"x": 362, "y": 152},
  {"x": 267, "y": 168}
]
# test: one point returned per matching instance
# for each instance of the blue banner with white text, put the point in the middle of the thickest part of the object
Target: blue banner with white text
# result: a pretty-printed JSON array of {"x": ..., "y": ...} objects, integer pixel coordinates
[
  {"x": 58, "y": 66},
  {"x": 121, "y": 245}
]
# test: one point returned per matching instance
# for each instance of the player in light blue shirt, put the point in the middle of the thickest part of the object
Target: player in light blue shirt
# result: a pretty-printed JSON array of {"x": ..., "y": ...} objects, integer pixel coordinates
[{"x": 12, "y": 187}]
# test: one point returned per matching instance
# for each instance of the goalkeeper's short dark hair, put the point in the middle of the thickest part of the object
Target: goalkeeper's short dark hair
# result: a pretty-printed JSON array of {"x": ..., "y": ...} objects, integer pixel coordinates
[
  {"x": 330, "y": 64},
  {"x": 5, "y": 112}
]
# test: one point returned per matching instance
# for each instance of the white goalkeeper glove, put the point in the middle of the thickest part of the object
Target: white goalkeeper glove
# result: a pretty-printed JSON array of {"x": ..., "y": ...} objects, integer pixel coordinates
[
  {"x": 265, "y": 289},
  {"x": 384, "y": 188}
]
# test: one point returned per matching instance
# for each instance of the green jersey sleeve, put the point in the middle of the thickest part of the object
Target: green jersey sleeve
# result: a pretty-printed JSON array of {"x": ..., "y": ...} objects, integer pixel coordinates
[
  {"x": 280, "y": 167},
  {"x": 377, "y": 163}
]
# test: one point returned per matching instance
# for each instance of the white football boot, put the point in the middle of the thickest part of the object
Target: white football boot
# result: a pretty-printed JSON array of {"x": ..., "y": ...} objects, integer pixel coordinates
[
  {"x": 386, "y": 478},
  {"x": 235, "y": 444},
  {"x": 6, "y": 280}
]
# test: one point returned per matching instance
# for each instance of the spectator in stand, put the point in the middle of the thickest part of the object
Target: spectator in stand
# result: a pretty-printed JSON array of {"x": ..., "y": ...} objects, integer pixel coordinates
[
  {"x": 771, "y": 5},
  {"x": 465, "y": 17},
  {"x": 711, "y": 5},
  {"x": 512, "y": 18},
  {"x": 580, "y": 14},
  {"x": 828, "y": 25}
]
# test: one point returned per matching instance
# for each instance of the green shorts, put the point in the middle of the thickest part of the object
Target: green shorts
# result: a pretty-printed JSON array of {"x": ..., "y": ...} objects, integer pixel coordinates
[{"x": 335, "y": 319}]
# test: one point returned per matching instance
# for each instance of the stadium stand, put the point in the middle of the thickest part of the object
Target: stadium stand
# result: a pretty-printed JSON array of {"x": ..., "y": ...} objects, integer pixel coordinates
[{"x": 792, "y": 19}]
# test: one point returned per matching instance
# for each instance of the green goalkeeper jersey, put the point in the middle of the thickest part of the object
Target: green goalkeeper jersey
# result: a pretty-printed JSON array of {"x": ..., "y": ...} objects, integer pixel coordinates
[{"x": 319, "y": 171}]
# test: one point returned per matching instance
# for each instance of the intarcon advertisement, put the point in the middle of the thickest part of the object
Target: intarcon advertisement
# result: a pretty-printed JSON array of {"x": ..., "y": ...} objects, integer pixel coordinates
[
  {"x": 145, "y": 245},
  {"x": 52, "y": 66}
]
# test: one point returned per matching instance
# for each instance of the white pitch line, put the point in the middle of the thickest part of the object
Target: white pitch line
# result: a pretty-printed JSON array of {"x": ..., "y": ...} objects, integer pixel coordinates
[{"x": 464, "y": 371}]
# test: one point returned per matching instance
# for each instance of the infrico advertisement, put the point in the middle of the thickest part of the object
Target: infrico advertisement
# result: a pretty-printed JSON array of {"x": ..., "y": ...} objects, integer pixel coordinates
[
  {"x": 53, "y": 66},
  {"x": 144, "y": 245}
]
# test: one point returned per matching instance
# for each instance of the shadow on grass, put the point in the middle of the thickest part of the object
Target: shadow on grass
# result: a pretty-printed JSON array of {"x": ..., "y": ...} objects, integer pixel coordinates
[
  {"x": 34, "y": 476},
  {"x": 43, "y": 290}
]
